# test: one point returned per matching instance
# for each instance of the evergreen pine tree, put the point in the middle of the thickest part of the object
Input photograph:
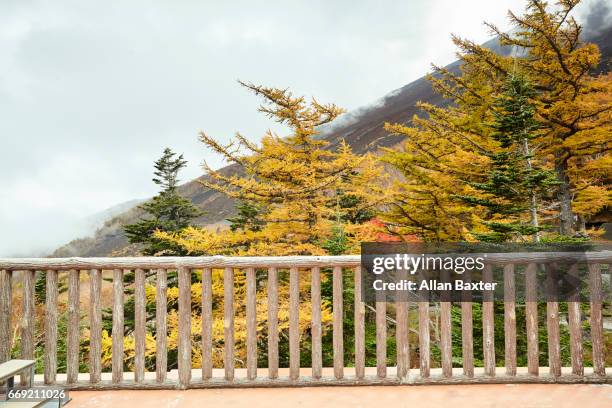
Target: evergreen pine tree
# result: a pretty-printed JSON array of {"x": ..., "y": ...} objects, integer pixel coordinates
[
  {"x": 514, "y": 182},
  {"x": 167, "y": 211}
]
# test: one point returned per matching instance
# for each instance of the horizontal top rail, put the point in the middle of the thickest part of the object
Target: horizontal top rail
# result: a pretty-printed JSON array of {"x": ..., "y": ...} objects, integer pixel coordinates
[{"x": 218, "y": 261}]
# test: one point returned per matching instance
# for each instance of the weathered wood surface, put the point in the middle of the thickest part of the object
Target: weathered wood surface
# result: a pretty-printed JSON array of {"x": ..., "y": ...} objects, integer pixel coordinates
[
  {"x": 263, "y": 382},
  {"x": 74, "y": 320},
  {"x": 251, "y": 315},
  {"x": 315, "y": 297},
  {"x": 510, "y": 320},
  {"x": 575, "y": 328},
  {"x": 265, "y": 262},
  {"x": 272, "y": 323},
  {"x": 161, "y": 327},
  {"x": 184, "y": 326},
  {"x": 488, "y": 321},
  {"x": 228, "y": 322},
  {"x": 531, "y": 317},
  {"x": 140, "y": 321},
  {"x": 338, "y": 341},
  {"x": 595, "y": 289},
  {"x": 552, "y": 326},
  {"x": 401, "y": 331},
  {"x": 207, "y": 320},
  {"x": 555, "y": 375},
  {"x": 381, "y": 339},
  {"x": 28, "y": 322},
  {"x": 424, "y": 340},
  {"x": 51, "y": 292},
  {"x": 6, "y": 313},
  {"x": 467, "y": 327},
  {"x": 446, "y": 334},
  {"x": 294, "y": 323},
  {"x": 13, "y": 367},
  {"x": 95, "y": 326},
  {"x": 118, "y": 326},
  {"x": 359, "y": 327}
]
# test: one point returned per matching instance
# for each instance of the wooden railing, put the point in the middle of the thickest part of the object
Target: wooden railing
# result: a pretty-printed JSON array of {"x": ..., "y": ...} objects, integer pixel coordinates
[{"x": 155, "y": 270}]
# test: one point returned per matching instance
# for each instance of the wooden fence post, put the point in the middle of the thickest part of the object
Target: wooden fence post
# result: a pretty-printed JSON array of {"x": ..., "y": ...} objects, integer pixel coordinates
[
  {"x": 510, "y": 320},
  {"x": 552, "y": 322},
  {"x": 531, "y": 319},
  {"x": 27, "y": 323},
  {"x": 315, "y": 297},
  {"x": 6, "y": 313},
  {"x": 575, "y": 326},
  {"x": 184, "y": 327},
  {"x": 595, "y": 288},
  {"x": 140, "y": 321},
  {"x": 228, "y": 322},
  {"x": 74, "y": 320},
  {"x": 251, "y": 315},
  {"x": 272, "y": 322},
  {"x": 118, "y": 326},
  {"x": 338, "y": 323},
  {"x": 51, "y": 327},
  {"x": 359, "y": 327},
  {"x": 161, "y": 310},
  {"x": 467, "y": 335},
  {"x": 95, "y": 326},
  {"x": 207, "y": 320}
]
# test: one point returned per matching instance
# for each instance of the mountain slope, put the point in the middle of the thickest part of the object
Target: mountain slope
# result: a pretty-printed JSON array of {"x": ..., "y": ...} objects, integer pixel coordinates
[{"x": 363, "y": 130}]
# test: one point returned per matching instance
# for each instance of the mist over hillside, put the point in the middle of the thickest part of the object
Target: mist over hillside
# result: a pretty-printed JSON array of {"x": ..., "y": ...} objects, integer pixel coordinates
[{"x": 362, "y": 129}]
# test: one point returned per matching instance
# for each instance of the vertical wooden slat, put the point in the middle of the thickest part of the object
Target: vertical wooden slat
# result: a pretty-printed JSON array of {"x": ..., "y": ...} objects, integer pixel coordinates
[
  {"x": 401, "y": 333},
  {"x": 552, "y": 324},
  {"x": 446, "y": 347},
  {"x": 294, "y": 324},
  {"x": 272, "y": 323},
  {"x": 359, "y": 327},
  {"x": 95, "y": 326},
  {"x": 207, "y": 317},
  {"x": 140, "y": 321},
  {"x": 338, "y": 322},
  {"x": 467, "y": 334},
  {"x": 402, "y": 352},
  {"x": 6, "y": 314},
  {"x": 184, "y": 327},
  {"x": 72, "y": 341},
  {"x": 575, "y": 326},
  {"x": 161, "y": 310},
  {"x": 228, "y": 322},
  {"x": 488, "y": 338},
  {"x": 51, "y": 327},
  {"x": 595, "y": 289},
  {"x": 27, "y": 322},
  {"x": 381, "y": 338},
  {"x": 531, "y": 318},
  {"x": 424, "y": 346},
  {"x": 315, "y": 297},
  {"x": 118, "y": 326},
  {"x": 510, "y": 320},
  {"x": 251, "y": 313}
]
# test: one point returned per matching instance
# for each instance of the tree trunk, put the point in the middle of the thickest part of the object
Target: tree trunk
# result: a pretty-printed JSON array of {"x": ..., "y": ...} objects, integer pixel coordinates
[
  {"x": 564, "y": 195},
  {"x": 533, "y": 205}
]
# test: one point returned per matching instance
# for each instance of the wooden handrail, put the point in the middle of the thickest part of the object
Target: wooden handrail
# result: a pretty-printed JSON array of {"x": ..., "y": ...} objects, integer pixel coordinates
[
  {"x": 217, "y": 261},
  {"x": 154, "y": 271}
]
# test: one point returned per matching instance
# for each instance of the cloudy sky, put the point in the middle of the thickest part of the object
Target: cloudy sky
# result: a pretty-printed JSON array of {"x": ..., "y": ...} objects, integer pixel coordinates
[{"x": 92, "y": 91}]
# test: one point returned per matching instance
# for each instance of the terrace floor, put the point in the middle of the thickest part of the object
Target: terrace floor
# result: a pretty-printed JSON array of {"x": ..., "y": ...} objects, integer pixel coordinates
[{"x": 455, "y": 396}]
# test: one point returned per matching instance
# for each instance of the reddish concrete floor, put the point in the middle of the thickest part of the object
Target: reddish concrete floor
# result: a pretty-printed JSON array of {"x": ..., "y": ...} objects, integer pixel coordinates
[{"x": 448, "y": 396}]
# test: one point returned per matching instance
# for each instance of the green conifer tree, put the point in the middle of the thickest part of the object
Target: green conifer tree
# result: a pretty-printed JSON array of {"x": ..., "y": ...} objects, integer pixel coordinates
[
  {"x": 167, "y": 211},
  {"x": 514, "y": 183}
]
